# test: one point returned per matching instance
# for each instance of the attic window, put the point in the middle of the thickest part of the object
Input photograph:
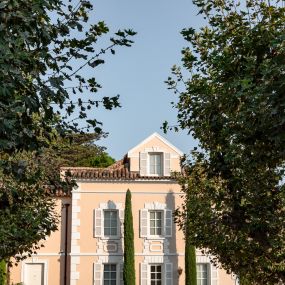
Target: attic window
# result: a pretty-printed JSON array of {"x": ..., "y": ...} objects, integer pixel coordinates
[{"x": 155, "y": 164}]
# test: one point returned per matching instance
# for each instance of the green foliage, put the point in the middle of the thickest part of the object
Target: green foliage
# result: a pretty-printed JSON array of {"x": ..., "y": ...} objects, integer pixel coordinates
[
  {"x": 81, "y": 150},
  {"x": 233, "y": 103},
  {"x": 3, "y": 272},
  {"x": 27, "y": 208},
  {"x": 190, "y": 262},
  {"x": 44, "y": 47},
  {"x": 102, "y": 160},
  {"x": 129, "y": 274}
]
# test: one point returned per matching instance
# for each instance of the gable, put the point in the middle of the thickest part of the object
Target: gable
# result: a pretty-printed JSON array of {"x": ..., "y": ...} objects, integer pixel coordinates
[
  {"x": 155, "y": 156},
  {"x": 154, "y": 142}
]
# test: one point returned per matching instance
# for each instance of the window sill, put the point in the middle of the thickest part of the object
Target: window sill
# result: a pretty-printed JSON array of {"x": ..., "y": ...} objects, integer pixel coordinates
[
  {"x": 111, "y": 237},
  {"x": 155, "y": 237}
]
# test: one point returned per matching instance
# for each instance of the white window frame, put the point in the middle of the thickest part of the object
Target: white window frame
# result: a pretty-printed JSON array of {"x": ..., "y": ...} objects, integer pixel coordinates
[
  {"x": 161, "y": 154},
  {"x": 98, "y": 268},
  {"x": 166, "y": 269},
  {"x": 208, "y": 272},
  {"x": 100, "y": 226},
  {"x": 213, "y": 272},
  {"x": 117, "y": 272},
  {"x": 162, "y": 224},
  {"x": 110, "y": 236},
  {"x": 162, "y": 271},
  {"x": 167, "y": 221}
]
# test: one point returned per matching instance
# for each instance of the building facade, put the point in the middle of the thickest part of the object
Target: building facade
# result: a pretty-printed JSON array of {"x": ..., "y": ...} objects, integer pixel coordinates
[{"x": 88, "y": 248}]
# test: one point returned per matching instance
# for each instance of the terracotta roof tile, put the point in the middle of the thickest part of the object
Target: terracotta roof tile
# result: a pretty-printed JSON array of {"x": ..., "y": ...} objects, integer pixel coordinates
[{"x": 108, "y": 174}]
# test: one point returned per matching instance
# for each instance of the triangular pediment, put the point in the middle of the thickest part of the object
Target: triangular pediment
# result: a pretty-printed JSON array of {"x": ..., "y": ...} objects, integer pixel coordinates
[{"x": 154, "y": 137}]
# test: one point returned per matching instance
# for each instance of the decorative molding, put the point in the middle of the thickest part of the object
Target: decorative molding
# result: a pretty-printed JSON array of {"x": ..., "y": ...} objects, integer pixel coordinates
[
  {"x": 110, "y": 247},
  {"x": 103, "y": 242},
  {"x": 155, "y": 206},
  {"x": 155, "y": 259},
  {"x": 75, "y": 234},
  {"x": 110, "y": 205},
  {"x": 149, "y": 239},
  {"x": 156, "y": 246}
]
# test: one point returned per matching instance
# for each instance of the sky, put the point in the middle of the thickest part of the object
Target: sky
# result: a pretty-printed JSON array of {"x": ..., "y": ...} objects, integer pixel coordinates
[{"x": 138, "y": 73}]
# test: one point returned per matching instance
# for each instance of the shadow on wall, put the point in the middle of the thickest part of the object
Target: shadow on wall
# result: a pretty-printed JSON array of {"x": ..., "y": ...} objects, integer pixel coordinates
[{"x": 170, "y": 204}]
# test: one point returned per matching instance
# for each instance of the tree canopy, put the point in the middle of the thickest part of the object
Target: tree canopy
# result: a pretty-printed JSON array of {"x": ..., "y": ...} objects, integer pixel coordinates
[
  {"x": 233, "y": 103},
  {"x": 45, "y": 45},
  {"x": 46, "y": 98},
  {"x": 81, "y": 150}
]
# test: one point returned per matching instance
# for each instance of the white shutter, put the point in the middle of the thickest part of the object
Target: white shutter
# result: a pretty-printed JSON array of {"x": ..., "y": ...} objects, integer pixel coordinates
[
  {"x": 168, "y": 274},
  {"x": 143, "y": 163},
  {"x": 98, "y": 221},
  {"x": 166, "y": 164},
  {"x": 143, "y": 223},
  {"x": 144, "y": 274},
  {"x": 121, "y": 270},
  {"x": 168, "y": 223},
  {"x": 121, "y": 223},
  {"x": 214, "y": 275},
  {"x": 98, "y": 270}
]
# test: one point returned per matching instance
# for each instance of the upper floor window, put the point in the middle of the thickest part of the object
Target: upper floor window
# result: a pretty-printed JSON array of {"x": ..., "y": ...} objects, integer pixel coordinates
[
  {"x": 155, "y": 164},
  {"x": 110, "y": 222},
  {"x": 155, "y": 219}
]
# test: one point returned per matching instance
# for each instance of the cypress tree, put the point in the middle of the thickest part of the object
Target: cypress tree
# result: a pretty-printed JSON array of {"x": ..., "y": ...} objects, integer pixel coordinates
[
  {"x": 190, "y": 261},
  {"x": 129, "y": 274},
  {"x": 3, "y": 272}
]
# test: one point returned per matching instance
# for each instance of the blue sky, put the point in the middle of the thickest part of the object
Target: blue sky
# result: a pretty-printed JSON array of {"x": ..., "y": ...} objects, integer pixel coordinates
[{"x": 138, "y": 73}]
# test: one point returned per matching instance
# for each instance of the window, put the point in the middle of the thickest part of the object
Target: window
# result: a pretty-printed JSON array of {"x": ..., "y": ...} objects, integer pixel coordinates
[
  {"x": 202, "y": 274},
  {"x": 110, "y": 274},
  {"x": 155, "y": 275},
  {"x": 155, "y": 221},
  {"x": 110, "y": 223},
  {"x": 155, "y": 164},
  {"x": 155, "y": 218}
]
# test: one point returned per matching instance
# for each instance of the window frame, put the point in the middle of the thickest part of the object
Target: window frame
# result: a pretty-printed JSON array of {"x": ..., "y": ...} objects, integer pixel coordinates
[
  {"x": 162, "y": 234},
  {"x": 207, "y": 267},
  {"x": 156, "y": 272},
  {"x": 155, "y": 154},
  {"x": 117, "y": 226},
  {"x": 116, "y": 271}
]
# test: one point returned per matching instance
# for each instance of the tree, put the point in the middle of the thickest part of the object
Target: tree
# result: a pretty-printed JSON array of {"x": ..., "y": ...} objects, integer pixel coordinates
[
  {"x": 44, "y": 47},
  {"x": 80, "y": 150},
  {"x": 233, "y": 104},
  {"x": 190, "y": 261},
  {"x": 27, "y": 194},
  {"x": 27, "y": 208},
  {"x": 3, "y": 272},
  {"x": 129, "y": 274}
]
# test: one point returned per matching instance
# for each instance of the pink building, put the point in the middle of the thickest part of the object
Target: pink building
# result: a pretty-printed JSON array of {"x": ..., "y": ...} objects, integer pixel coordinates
[{"x": 88, "y": 248}]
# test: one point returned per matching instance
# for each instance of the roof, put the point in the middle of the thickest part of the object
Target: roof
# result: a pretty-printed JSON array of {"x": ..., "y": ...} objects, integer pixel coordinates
[
  {"x": 120, "y": 169},
  {"x": 109, "y": 174}
]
